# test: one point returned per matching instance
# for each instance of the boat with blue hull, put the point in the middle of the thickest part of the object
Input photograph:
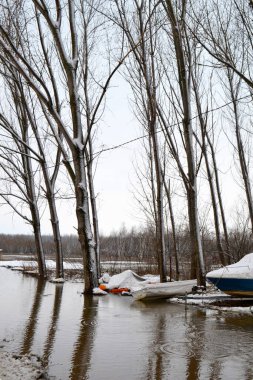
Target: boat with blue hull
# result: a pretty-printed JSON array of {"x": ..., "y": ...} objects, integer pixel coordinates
[{"x": 235, "y": 279}]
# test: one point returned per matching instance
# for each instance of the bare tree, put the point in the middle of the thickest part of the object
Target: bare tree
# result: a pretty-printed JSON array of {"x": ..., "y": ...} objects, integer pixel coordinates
[
  {"x": 142, "y": 73},
  {"x": 234, "y": 89},
  {"x": 228, "y": 39},
  {"x": 218, "y": 189},
  {"x": 176, "y": 19},
  {"x": 60, "y": 34},
  {"x": 203, "y": 123},
  {"x": 225, "y": 31},
  {"x": 24, "y": 104},
  {"x": 16, "y": 163},
  {"x": 50, "y": 182}
]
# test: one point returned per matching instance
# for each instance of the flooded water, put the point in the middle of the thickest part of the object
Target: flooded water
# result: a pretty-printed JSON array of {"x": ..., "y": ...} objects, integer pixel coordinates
[{"x": 114, "y": 337}]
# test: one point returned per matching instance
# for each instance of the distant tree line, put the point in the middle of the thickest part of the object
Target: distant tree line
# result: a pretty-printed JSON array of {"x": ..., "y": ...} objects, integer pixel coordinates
[
  {"x": 189, "y": 66},
  {"x": 133, "y": 246}
]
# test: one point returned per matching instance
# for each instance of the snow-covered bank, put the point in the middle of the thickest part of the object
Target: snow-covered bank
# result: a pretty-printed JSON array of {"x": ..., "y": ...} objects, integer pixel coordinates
[
  {"x": 15, "y": 367},
  {"x": 50, "y": 264},
  {"x": 216, "y": 300},
  {"x": 107, "y": 265}
]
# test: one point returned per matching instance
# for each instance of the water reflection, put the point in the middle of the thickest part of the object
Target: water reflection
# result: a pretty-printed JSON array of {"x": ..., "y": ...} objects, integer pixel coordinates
[
  {"x": 215, "y": 369},
  {"x": 155, "y": 364},
  {"x": 166, "y": 342},
  {"x": 48, "y": 347},
  {"x": 83, "y": 347},
  {"x": 30, "y": 328},
  {"x": 160, "y": 334},
  {"x": 33, "y": 320},
  {"x": 114, "y": 338},
  {"x": 195, "y": 344}
]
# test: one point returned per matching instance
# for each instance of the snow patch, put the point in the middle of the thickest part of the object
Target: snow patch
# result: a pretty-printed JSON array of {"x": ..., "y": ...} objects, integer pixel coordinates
[
  {"x": 99, "y": 292},
  {"x": 17, "y": 367},
  {"x": 50, "y": 264},
  {"x": 59, "y": 280}
]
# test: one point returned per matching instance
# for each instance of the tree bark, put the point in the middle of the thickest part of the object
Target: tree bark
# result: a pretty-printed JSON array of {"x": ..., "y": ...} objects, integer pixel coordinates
[
  {"x": 30, "y": 186},
  {"x": 218, "y": 190},
  {"x": 173, "y": 228},
  {"x": 89, "y": 160},
  {"x": 84, "y": 227}
]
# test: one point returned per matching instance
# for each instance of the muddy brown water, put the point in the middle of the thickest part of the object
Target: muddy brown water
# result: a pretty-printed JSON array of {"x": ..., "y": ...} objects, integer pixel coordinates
[{"x": 114, "y": 337}]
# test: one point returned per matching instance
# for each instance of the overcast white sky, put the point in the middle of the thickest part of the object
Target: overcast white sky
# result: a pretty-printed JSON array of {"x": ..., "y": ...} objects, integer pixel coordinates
[{"x": 115, "y": 173}]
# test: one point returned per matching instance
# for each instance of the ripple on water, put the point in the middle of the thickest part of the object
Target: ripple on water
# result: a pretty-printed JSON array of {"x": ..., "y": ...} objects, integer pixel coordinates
[
  {"x": 89, "y": 323},
  {"x": 180, "y": 350},
  {"x": 186, "y": 349}
]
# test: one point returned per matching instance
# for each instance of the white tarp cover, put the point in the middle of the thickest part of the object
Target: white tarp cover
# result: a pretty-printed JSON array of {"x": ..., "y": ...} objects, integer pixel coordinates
[
  {"x": 130, "y": 280},
  {"x": 126, "y": 279},
  {"x": 241, "y": 269}
]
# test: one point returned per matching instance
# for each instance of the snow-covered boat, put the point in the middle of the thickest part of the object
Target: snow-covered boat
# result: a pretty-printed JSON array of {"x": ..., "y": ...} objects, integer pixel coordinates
[
  {"x": 164, "y": 290},
  {"x": 235, "y": 279}
]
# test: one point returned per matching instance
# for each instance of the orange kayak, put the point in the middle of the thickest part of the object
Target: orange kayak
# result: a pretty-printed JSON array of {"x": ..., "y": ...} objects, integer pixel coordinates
[
  {"x": 115, "y": 291},
  {"x": 118, "y": 290}
]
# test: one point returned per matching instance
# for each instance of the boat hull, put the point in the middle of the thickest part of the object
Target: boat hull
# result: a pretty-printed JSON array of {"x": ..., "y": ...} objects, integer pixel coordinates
[
  {"x": 164, "y": 290},
  {"x": 234, "y": 286}
]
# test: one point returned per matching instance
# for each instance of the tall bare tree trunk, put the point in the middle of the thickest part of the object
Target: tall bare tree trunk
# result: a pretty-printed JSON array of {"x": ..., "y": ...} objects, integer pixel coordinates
[
  {"x": 152, "y": 180},
  {"x": 56, "y": 231},
  {"x": 214, "y": 205},
  {"x": 203, "y": 124},
  {"x": 173, "y": 227},
  {"x": 77, "y": 145},
  {"x": 89, "y": 160},
  {"x": 145, "y": 73},
  {"x": 30, "y": 186},
  {"x": 184, "y": 79},
  {"x": 84, "y": 227},
  {"x": 160, "y": 235},
  {"x": 220, "y": 201},
  {"x": 150, "y": 82},
  {"x": 50, "y": 187}
]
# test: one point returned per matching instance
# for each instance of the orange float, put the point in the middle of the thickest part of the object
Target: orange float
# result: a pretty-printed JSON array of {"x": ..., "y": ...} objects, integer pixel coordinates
[{"x": 103, "y": 287}]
